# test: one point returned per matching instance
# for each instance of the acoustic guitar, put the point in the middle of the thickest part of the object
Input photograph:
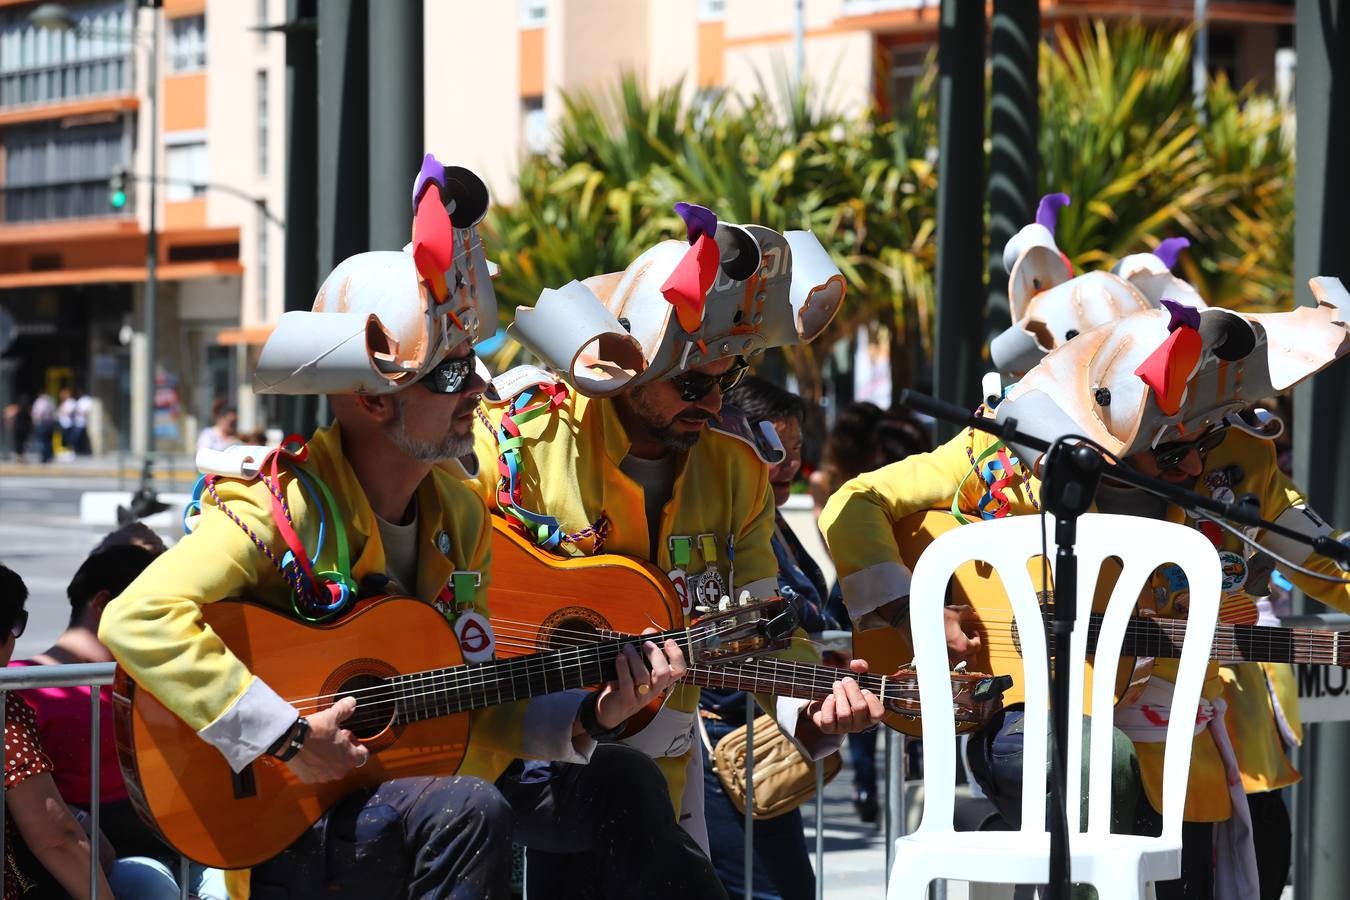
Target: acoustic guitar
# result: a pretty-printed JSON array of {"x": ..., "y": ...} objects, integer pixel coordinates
[
  {"x": 399, "y": 658},
  {"x": 592, "y": 598},
  {"x": 1146, "y": 638}
]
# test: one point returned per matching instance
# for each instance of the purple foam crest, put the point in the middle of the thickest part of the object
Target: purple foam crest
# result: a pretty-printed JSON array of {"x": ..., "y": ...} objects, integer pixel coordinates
[
  {"x": 432, "y": 171},
  {"x": 697, "y": 220},
  {"x": 1181, "y": 315},
  {"x": 1047, "y": 211},
  {"x": 1170, "y": 249}
]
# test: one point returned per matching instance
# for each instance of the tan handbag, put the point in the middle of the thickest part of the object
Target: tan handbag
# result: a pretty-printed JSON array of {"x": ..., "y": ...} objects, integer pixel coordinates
[{"x": 784, "y": 778}]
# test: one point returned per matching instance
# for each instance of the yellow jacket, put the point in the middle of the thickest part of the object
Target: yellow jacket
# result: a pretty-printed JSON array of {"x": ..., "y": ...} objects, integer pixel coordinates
[
  {"x": 570, "y": 470},
  {"x": 857, "y": 525},
  {"x": 155, "y": 631}
]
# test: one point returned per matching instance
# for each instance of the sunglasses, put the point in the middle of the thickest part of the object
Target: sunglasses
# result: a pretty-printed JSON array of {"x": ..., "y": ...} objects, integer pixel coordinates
[
  {"x": 451, "y": 375},
  {"x": 697, "y": 385},
  {"x": 20, "y": 623},
  {"x": 1169, "y": 456}
]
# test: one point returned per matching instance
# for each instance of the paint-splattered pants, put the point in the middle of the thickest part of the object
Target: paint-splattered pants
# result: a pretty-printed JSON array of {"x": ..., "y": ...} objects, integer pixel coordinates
[
  {"x": 605, "y": 830},
  {"x": 414, "y": 837}
]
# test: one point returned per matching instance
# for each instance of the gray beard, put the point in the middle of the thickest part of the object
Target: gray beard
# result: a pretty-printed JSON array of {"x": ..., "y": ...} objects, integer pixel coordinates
[
  {"x": 676, "y": 440},
  {"x": 451, "y": 446}
]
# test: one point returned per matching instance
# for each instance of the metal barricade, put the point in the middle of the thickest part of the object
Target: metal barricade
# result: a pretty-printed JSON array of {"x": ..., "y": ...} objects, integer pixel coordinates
[{"x": 89, "y": 675}]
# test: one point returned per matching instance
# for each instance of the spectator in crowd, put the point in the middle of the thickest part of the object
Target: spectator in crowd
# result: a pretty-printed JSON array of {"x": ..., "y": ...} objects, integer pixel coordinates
[
  {"x": 19, "y": 425},
  {"x": 224, "y": 432},
  {"x": 47, "y": 853},
  {"x": 79, "y": 438},
  {"x": 782, "y": 864},
  {"x": 65, "y": 420},
  {"x": 864, "y": 438},
  {"x": 146, "y": 864},
  {"x": 44, "y": 426}
]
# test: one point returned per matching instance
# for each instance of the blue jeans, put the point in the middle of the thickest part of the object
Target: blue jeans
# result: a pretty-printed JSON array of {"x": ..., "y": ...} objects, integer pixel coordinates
[
  {"x": 418, "y": 838},
  {"x": 782, "y": 864},
  {"x": 143, "y": 878}
]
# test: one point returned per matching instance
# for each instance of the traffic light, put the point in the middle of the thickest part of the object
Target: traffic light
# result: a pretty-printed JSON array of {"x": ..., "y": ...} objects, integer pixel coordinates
[{"x": 117, "y": 187}]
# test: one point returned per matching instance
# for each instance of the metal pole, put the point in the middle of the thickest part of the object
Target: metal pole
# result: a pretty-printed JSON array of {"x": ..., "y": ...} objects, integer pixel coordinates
[
  {"x": 95, "y": 694},
  {"x": 151, "y": 252},
  {"x": 1014, "y": 158},
  {"x": 299, "y": 415},
  {"x": 1321, "y": 440},
  {"x": 960, "y": 201},
  {"x": 820, "y": 829},
  {"x": 1200, "y": 56},
  {"x": 395, "y": 124},
  {"x": 799, "y": 41},
  {"x": 184, "y": 875},
  {"x": 749, "y": 794}
]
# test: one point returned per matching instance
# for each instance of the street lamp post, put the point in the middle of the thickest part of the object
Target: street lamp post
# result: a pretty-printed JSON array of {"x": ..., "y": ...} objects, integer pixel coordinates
[{"x": 59, "y": 18}]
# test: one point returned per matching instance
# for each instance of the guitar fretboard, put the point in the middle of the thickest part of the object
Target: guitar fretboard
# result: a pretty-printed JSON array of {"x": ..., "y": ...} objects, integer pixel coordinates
[{"x": 1162, "y": 638}]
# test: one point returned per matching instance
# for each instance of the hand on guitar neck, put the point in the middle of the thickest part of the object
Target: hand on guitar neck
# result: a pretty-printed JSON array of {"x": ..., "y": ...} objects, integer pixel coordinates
[
  {"x": 329, "y": 752},
  {"x": 963, "y": 640},
  {"x": 848, "y": 710},
  {"x": 637, "y": 682}
]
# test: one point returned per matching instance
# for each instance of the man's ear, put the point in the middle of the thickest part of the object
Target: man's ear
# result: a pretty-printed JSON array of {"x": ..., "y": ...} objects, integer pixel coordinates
[
  {"x": 98, "y": 602},
  {"x": 381, "y": 407}
]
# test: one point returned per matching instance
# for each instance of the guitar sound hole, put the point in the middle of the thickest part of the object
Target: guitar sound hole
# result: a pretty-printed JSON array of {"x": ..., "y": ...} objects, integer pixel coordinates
[
  {"x": 374, "y": 705},
  {"x": 571, "y": 632},
  {"x": 572, "y": 626}
]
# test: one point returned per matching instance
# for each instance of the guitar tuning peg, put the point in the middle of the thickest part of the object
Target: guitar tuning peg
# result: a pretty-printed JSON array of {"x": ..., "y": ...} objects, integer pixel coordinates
[
  {"x": 960, "y": 667},
  {"x": 703, "y": 609},
  {"x": 745, "y": 599},
  {"x": 724, "y": 604}
]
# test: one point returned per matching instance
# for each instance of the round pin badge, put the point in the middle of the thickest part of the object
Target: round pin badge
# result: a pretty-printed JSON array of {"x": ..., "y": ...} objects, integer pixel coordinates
[
  {"x": 476, "y": 641},
  {"x": 1224, "y": 494},
  {"x": 680, "y": 583},
  {"x": 1234, "y": 569},
  {"x": 707, "y": 588}
]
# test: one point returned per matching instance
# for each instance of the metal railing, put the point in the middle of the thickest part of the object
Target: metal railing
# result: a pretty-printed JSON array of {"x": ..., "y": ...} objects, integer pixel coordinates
[{"x": 91, "y": 675}]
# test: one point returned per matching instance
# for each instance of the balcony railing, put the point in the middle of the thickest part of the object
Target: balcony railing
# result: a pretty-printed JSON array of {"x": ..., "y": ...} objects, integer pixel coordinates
[
  {"x": 83, "y": 198},
  {"x": 64, "y": 82}
]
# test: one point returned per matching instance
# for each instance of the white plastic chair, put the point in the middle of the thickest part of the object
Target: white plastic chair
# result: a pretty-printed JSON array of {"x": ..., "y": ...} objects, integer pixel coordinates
[{"x": 1119, "y": 866}]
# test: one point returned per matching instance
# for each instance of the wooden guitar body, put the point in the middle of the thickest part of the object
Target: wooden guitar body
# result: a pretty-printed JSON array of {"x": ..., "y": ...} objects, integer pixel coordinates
[
  {"x": 976, "y": 585},
  {"x": 179, "y": 782}
]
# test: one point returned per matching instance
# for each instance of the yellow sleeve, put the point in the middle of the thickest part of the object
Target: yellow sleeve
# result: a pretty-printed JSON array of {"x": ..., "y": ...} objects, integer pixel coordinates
[
  {"x": 756, "y": 565},
  {"x": 1283, "y": 502},
  {"x": 858, "y": 521},
  {"x": 154, "y": 629}
]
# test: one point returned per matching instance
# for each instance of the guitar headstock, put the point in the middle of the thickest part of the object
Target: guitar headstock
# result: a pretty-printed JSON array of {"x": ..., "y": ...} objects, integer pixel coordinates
[
  {"x": 746, "y": 628},
  {"x": 976, "y": 697}
]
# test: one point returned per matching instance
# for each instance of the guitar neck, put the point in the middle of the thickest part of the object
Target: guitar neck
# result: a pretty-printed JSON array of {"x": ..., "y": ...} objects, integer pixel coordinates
[
  {"x": 457, "y": 689},
  {"x": 1162, "y": 638},
  {"x": 788, "y": 678}
]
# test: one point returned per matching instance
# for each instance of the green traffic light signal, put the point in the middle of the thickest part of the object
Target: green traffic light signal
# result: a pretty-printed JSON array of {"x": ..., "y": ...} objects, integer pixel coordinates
[{"x": 117, "y": 188}]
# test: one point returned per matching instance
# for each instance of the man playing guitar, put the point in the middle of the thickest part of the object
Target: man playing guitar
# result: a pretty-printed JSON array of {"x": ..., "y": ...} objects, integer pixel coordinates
[
  {"x": 389, "y": 341},
  {"x": 1166, "y": 390},
  {"x": 626, "y": 451}
]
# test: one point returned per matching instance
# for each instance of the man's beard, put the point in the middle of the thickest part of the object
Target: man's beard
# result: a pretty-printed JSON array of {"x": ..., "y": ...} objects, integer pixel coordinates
[
  {"x": 450, "y": 446},
  {"x": 664, "y": 430}
]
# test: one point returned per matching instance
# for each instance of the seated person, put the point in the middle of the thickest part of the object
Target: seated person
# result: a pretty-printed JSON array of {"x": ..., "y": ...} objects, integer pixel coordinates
[{"x": 46, "y": 849}]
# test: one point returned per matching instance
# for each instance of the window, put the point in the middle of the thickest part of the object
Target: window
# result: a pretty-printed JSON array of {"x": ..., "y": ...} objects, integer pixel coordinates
[
  {"x": 187, "y": 44},
  {"x": 54, "y": 172},
  {"x": 534, "y": 125},
  {"x": 261, "y": 265},
  {"x": 186, "y": 161},
  {"x": 39, "y": 65},
  {"x": 712, "y": 10},
  {"x": 865, "y": 7},
  {"x": 262, "y": 122},
  {"x": 533, "y": 13},
  {"x": 262, "y": 23}
]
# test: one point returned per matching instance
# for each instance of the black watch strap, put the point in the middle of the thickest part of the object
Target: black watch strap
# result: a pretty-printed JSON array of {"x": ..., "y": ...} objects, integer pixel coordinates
[
  {"x": 290, "y": 743},
  {"x": 590, "y": 724}
]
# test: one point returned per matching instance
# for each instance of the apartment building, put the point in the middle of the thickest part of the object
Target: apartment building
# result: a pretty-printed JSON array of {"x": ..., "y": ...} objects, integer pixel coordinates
[
  {"x": 525, "y": 55},
  {"x": 76, "y": 103}
]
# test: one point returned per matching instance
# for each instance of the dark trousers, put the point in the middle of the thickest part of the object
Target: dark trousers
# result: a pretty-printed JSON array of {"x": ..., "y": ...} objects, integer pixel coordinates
[
  {"x": 782, "y": 864},
  {"x": 604, "y": 830},
  {"x": 417, "y": 838},
  {"x": 862, "y": 756}
]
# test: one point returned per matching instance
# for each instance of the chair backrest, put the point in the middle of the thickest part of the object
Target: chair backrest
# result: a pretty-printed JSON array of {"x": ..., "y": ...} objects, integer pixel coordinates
[{"x": 1141, "y": 546}]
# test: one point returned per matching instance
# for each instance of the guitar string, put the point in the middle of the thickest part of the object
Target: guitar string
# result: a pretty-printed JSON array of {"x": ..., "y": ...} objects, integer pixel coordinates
[{"x": 469, "y": 672}]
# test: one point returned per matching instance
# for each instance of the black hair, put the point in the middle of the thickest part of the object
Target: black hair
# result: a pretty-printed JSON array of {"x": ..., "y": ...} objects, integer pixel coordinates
[
  {"x": 13, "y": 595},
  {"x": 760, "y": 399},
  {"x": 112, "y": 569}
]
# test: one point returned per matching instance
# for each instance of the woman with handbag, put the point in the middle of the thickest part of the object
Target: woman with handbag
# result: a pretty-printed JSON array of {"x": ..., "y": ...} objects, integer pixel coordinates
[{"x": 784, "y": 778}]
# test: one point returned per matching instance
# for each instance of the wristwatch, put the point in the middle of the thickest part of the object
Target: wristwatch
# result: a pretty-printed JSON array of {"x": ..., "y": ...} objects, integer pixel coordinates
[
  {"x": 290, "y": 741},
  {"x": 590, "y": 724}
]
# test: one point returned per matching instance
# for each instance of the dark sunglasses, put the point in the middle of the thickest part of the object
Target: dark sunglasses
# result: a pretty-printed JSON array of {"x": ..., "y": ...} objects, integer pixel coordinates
[
  {"x": 20, "y": 623},
  {"x": 451, "y": 375},
  {"x": 697, "y": 385},
  {"x": 1170, "y": 455}
]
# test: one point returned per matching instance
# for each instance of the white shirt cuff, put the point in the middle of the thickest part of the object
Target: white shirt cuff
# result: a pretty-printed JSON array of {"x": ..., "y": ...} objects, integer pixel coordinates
[
  {"x": 547, "y": 729},
  {"x": 874, "y": 586},
  {"x": 251, "y": 724},
  {"x": 789, "y": 716}
]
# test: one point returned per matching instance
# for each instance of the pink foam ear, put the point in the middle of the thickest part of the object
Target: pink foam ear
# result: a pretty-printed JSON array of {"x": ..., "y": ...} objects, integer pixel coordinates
[
  {"x": 433, "y": 242},
  {"x": 1168, "y": 369},
  {"x": 687, "y": 287}
]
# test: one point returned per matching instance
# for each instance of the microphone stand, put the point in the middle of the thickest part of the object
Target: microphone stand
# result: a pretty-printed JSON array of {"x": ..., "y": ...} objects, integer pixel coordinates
[{"x": 1071, "y": 474}]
